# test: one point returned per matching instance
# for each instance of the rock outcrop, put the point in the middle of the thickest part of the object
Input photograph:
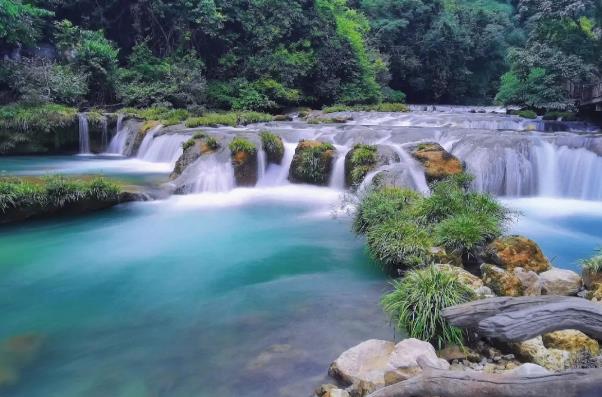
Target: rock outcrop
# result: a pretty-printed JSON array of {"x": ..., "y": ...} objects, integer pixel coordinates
[
  {"x": 438, "y": 163},
  {"x": 273, "y": 146},
  {"x": 312, "y": 163},
  {"x": 510, "y": 252},
  {"x": 534, "y": 351}
]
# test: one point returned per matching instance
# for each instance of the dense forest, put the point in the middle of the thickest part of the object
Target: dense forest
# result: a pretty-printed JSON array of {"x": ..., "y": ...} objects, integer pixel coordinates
[{"x": 269, "y": 54}]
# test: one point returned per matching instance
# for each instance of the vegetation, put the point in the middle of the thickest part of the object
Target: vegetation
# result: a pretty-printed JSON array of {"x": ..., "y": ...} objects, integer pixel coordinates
[
  {"x": 527, "y": 114},
  {"x": 312, "y": 162},
  {"x": 594, "y": 264},
  {"x": 273, "y": 146},
  {"x": 199, "y": 135},
  {"x": 564, "y": 116},
  {"x": 212, "y": 143},
  {"x": 53, "y": 192},
  {"x": 188, "y": 144},
  {"x": 230, "y": 119},
  {"x": 379, "y": 107},
  {"x": 242, "y": 145},
  {"x": 402, "y": 227},
  {"x": 417, "y": 301},
  {"x": 362, "y": 159}
]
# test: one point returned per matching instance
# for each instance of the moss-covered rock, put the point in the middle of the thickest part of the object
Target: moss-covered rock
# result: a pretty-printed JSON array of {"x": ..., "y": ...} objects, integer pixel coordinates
[
  {"x": 273, "y": 147},
  {"x": 198, "y": 145},
  {"x": 438, "y": 163},
  {"x": 501, "y": 282},
  {"x": 510, "y": 252},
  {"x": 571, "y": 340},
  {"x": 244, "y": 160},
  {"x": 312, "y": 163},
  {"x": 359, "y": 161}
]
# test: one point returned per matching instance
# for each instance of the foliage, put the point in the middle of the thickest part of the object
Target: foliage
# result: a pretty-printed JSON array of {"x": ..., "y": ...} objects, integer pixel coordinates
[
  {"x": 45, "y": 117},
  {"x": 188, "y": 144},
  {"x": 158, "y": 113},
  {"x": 381, "y": 204},
  {"x": 417, "y": 302},
  {"x": 230, "y": 119},
  {"x": 466, "y": 231},
  {"x": 379, "y": 107},
  {"x": 212, "y": 143},
  {"x": 312, "y": 162},
  {"x": 243, "y": 145},
  {"x": 527, "y": 114},
  {"x": 273, "y": 146},
  {"x": 20, "y": 22},
  {"x": 564, "y": 116},
  {"x": 53, "y": 192},
  {"x": 594, "y": 264},
  {"x": 199, "y": 135},
  {"x": 362, "y": 160}
]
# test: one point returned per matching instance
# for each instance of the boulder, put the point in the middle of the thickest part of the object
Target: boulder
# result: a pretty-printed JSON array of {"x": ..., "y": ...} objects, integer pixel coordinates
[
  {"x": 244, "y": 161},
  {"x": 560, "y": 282},
  {"x": 571, "y": 340},
  {"x": 402, "y": 363},
  {"x": 331, "y": 391},
  {"x": 200, "y": 146},
  {"x": 591, "y": 280},
  {"x": 273, "y": 146},
  {"x": 359, "y": 161},
  {"x": 596, "y": 294},
  {"x": 466, "y": 278},
  {"x": 529, "y": 280},
  {"x": 529, "y": 369},
  {"x": 438, "y": 163},
  {"x": 510, "y": 252},
  {"x": 312, "y": 163},
  {"x": 501, "y": 282},
  {"x": 534, "y": 350}
]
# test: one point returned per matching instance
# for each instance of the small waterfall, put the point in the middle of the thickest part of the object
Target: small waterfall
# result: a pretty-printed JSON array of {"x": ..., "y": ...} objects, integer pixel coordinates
[
  {"x": 104, "y": 124},
  {"x": 148, "y": 139},
  {"x": 119, "y": 142},
  {"x": 261, "y": 164},
  {"x": 84, "y": 134},
  {"x": 337, "y": 179},
  {"x": 213, "y": 175},
  {"x": 414, "y": 168},
  {"x": 277, "y": 174},
  {"x": 165, "y": 148},
  {"x": 548, "y": 169}
]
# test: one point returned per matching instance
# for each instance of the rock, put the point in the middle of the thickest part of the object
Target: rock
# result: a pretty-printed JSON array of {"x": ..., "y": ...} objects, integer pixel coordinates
[
  {"x": 403, "y": 359},
  {"x": 441, "y": 256},
  {"x": 529, "y": 369},
  {"x": 331, "y": 391},
  {"x": 244, "y": 161},
  {"x": 529, "y": 280},
  {"x": 591, "y": 280},
  {"x": 533, "y": 350},
  {"x": 596, "y": 294},
  {"x": 571, "y": 340},
  {"x": 374, "y": 363},
  {"x": 437, "y": 162},
  {"x": 510, "y": 252},
  {"x": 282, "y": 117},
  {"x": 359, "y": 161},
  {"x": 273, "y": 146},
  {"x": 501, "y": 282},
  {"x": 560, "y": 282},
  {"x": 484, "y": 292},
  {"x": 466, "y": 278},
  {"x": 312, "y": 163},
  {"x": 451, "y": 353}
]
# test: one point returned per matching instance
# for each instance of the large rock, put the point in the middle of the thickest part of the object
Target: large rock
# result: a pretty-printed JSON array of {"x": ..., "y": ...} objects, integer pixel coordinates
[
  {"x": 511, "y": 252},
  {"x": 375, "y": 363},
  {"x": 438, "y": 163},
  {"x": 331, "y": 391},
  {"x": 244, "y": 161},
  {"x": 571, "y": 340},
  {"x": 501, "y": 282},
  {"x": 359, "y": 161},
  {"x": 312, "y": 163},
  {"x": 560, "y": 282},
  {"x": 273, "y": 146},
  {"x": 200, "y": 144},
  {"x": 534, "y": 351},
  {"x": 529, "y": 369},
  {"x": 529, "y": 280},
  {"x": 465, "y": 277}
]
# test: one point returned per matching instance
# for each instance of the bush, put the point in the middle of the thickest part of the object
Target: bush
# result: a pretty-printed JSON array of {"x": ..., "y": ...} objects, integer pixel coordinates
[
  {"x": 167, "y": 116},
  {"x": 273, "y": 146},
  {"x": 212, "y": 143},
  {"x": 362, "y": 160},
  {"x": 527, "y": 114},
  {"x": 199, "y": 135},
  {"x": 312, "y": 163},
  {"x": 377, "y": 206},
  {"x": 417, "y": 301},
  {"x": 242, "y": 145},
  {"x": 230, "y": 119},
  {"x": 465, "y": 232},
  {"x": 395, "y": 96},
  {"x": 594, "y": 264},
  {"x": 399, "y": 243},
  {"x": 564, "y": 116},
  {"x": 378, "y": 107}
]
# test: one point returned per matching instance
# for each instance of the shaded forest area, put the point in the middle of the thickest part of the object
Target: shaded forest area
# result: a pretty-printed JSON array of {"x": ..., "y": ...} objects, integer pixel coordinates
[{"x": 265, "y": 55}]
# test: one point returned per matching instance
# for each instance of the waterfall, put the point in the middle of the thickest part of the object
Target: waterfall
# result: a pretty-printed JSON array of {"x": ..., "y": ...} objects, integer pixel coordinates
[
  {"x": 119, "y": 142},
  {"x": 261, "y": 164},
  {"x": 213, "y": 175},
  {"x": 165, "y": 148},
  {"x": 337, "y": 179},
  {"x": 414, "y": 168},
  {"x": 148, "y": 139},
  {"x": 84, "y": 134},
  {"x": 277, "y": 174},
  {"x": 105, "y": 132}
]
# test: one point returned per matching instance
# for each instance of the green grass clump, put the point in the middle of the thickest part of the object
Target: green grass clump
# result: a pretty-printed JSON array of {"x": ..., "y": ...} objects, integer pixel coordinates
[
  {"x": 158, "y": 113},
  {"x": 44, "y": 117},
  {"x": 594, "y": 264},
  {"x": 199, "y": 135},
  {"x": 53, "y": 192},
  {"x": 379, "y": 107},
  {"x": 417, "y": 302},
  {"x": 363, "y": 159},
  {"x": 377, "y": 206},
  {"x": 212, "y": 143},
  {"x": 239, "y": 144},
  {"x": 188, "y": 144},
  {"x": 466, "y": 231},
  {"x": 527, "y": 114},
  {"x": 231, "y": 119},
  {"x": 273, "y": 146},
  {"x": 312, "y": 162}
]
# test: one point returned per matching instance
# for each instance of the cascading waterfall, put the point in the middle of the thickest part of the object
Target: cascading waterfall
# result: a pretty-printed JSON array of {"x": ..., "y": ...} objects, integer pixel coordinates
[
  {"x": 119, "y": 142},
  {"x": 261, "y": 164},
  {"x": 414, "y": 169},
  {"x": 84, "y": 134},
  {"x": 337, "y": 179},
  {"x": 213, "y": 175},
  {"x": 104, "y": 124},
  {"x": 277, "y": 174},
  {"x": 166, "y": 148}
]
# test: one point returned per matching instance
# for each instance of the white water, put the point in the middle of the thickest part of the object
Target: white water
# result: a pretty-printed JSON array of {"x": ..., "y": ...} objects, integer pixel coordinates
[
  {"x": 84, "y": 134},
  {"x": 119, "y": 141},
  {"x": 213, "y": 175},
  {"x": 165, "y": 148},
  {"x": 277, "y": 174},
  {"x": 337, "y": 179},
  {"x": 105, "y": 132},
  {"x": 261, "y": 164},
  {"x": 414, "y": 169}
]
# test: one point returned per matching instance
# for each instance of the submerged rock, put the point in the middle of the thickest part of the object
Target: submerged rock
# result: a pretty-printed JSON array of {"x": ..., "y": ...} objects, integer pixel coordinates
[
  {"x": 438, "y": 163},
  {"x": 510, "y": 252},
  {"x": 312, "y": 163},
  {"x": 560, "y": 282}
]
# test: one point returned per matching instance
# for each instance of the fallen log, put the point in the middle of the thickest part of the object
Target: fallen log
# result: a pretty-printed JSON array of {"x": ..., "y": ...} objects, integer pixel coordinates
[
  {"x": 434, "y": 382},
  {"x": 522, "y": 318}
]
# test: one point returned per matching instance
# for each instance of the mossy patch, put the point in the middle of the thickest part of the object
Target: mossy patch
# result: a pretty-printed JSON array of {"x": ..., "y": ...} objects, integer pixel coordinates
[
  {"x": 438, "y": 163},
  {"x": 360, "y": 160},
  {"x": 244, "y": 161},
  {"x": 273, "y": 146},
  {"x": 312, "y": 163}
]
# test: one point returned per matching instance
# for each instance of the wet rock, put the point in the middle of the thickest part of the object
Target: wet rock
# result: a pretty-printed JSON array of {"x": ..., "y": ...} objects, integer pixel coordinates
[
  {"x": 560, "y": 282},
  {"x": 438, "y": 163},
  {"x": 511, "y": 252},
  {"x": 359, "y": 161},
  {"x": 529, "y": 280},
  {"x": 244, "y": 160},
  {"x": 273, "y": 146},
  {"x": 571, "y": 340},
  {"x": 534, "y": 350},
  {"x": 501, "y": 282},
  {"x": 402, "y": 362},
  {"x": 312, "y": 163},
  {"x": 199, "y": 144}
]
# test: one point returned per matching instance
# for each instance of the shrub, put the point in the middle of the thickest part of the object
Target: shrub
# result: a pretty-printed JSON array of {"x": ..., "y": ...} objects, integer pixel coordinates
[
  {"x": 399, "y": 243},
  {"x": 242, "y": 145},
  {"x": 273, "y": 146},
  {"x": 199, "y": 135},
  {"x": 312, "y": 163},
  {"x": 362, "y": 160},
  {"x": 378, "y": 107},
  {"x": 594, "y": 264},
  {"x": 564, "y": 116},
  {"x": 188, "y": 144},
  {"x": 395, "y": 96},
  {"x": 230, "y": 119},
  {"x": 212, "y": 143},
  {"x": 464, "y": 232},
  {"x": 527, "y": 114},
  {"x": 379, "y": 205},
  {"x": 417, "y": 301}
]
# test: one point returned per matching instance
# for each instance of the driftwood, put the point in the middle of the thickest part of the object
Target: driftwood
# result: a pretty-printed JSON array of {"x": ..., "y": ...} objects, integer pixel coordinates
[
  {"x": 434, "y": 382},
  {"x": 522, "y": 318}
]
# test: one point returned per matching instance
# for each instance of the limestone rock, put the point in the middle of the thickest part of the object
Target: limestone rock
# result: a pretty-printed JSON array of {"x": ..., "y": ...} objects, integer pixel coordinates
[
  {"x": 454, "y": 352},
  {"x": 465, "y": 277},
  {"x": 571, "y": 340},
  {"x": 528, "y": 369},
  {"x": 331, "y": 391},
  {"x": 510, "y": 252},
  {"x": 529, "y": 280},
  {"x": 534, "y": 350},
  {"x": 484, "y": 292},
  {"x": 245, "y": 166},
  {"x": 560, "y": 282},
  {"x": 312, "y": 163},
  {"x": 501, "y": 282},
  {"x": 591, "y": 280},
  {"x": 403, "y": 359},
  {"x": 273, "y": 146},
  {"x": 438, "y": 163},
  {"x": 359, "y": 161},
  {"x": 596, "y": 294}
]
